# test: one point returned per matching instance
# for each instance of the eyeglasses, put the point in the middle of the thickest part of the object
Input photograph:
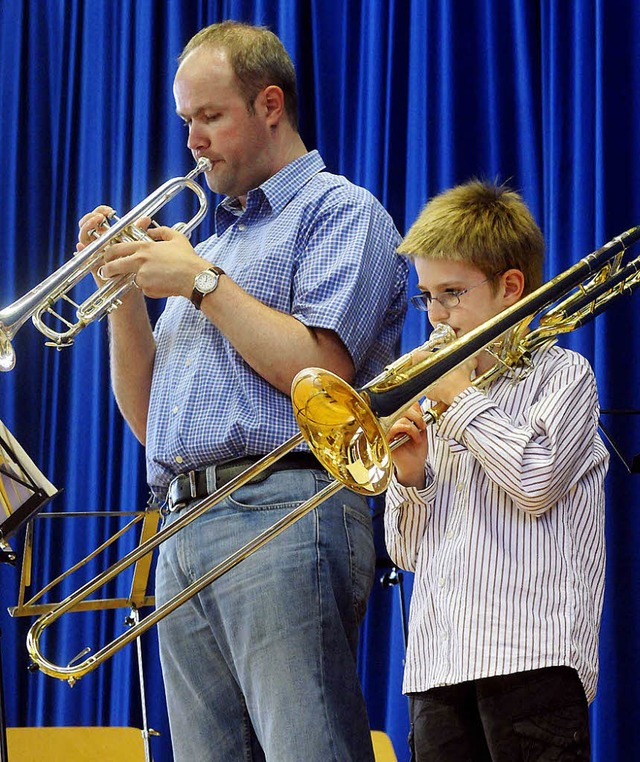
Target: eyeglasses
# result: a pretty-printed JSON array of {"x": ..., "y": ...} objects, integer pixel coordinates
[{"x": 448, "y": 299}]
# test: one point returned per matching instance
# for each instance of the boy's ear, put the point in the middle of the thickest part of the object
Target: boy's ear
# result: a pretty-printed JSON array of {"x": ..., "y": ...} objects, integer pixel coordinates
[{"x": 513, "y": 285}]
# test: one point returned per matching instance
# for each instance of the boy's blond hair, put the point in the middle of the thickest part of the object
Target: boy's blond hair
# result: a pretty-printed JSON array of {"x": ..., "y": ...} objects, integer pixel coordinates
[{"x": 487, "y": 225}]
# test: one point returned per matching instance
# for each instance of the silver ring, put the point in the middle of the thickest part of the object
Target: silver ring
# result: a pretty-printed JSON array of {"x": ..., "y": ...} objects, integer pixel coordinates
[{"x": 135, "y": 282}]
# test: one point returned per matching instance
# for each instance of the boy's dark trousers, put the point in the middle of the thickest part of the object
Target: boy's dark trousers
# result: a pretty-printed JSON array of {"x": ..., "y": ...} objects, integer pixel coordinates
[{"x": 535, "y": 716}]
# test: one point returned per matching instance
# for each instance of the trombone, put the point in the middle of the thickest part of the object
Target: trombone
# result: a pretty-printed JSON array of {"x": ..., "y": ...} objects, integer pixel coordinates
[
  {"x": 108, "y": 297},
  {"x": 346, "y": 428}
]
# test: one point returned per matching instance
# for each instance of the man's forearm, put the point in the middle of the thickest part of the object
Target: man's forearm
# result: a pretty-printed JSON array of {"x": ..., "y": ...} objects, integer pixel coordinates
[
  {"x": 274, "y": 344},
  {"x": 132, "y": 351}
]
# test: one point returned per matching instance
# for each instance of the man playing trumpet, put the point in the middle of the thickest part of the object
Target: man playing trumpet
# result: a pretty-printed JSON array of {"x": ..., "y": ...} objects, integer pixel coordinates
[{"x": 302, "y": 271}]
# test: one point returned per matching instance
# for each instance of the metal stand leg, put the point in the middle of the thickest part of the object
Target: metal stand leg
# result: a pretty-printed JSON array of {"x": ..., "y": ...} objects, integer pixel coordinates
[
  {"x": 4, "y": 754},
  {"x": 392, "y": 578},
  {"x": 147, "y": 732}
]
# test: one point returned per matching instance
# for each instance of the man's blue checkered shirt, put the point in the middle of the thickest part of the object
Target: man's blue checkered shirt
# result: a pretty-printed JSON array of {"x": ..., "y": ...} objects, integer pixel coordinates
[{"x": 309, "y": 244}]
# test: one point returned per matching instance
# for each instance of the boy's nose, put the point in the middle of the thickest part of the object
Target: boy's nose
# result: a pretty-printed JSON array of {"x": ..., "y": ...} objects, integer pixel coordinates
[{"x": 437, "y": 312}]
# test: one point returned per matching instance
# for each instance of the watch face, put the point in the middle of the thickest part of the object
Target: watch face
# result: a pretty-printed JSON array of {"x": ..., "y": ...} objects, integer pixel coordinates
[{"x": 206, "y": 281}]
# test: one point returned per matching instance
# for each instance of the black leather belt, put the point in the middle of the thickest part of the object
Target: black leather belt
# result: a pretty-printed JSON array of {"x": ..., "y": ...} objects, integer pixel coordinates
[{"x": 198, "y": 484}]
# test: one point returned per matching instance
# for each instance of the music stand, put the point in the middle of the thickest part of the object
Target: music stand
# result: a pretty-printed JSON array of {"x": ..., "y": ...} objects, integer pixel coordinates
[
  {"x": 23, "y": 492},
  {"x": 147, "y": 521}
]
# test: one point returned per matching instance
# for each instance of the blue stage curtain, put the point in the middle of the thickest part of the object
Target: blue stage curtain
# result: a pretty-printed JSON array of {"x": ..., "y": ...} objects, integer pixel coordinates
[{"x": 406, "y": 97}]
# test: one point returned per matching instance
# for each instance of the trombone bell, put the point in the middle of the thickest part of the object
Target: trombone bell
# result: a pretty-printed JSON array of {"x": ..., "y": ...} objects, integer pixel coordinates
[
  {"x": 340, "y": 425},
  {"x": 342, "y": 431}
]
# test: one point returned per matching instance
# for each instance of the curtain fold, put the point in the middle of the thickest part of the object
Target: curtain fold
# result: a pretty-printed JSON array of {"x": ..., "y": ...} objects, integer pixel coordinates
[{"x": 406, "y": 97}]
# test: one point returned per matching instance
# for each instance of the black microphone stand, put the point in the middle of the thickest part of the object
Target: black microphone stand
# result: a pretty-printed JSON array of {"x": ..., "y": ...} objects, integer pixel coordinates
[{"x": 633, "y": 467}]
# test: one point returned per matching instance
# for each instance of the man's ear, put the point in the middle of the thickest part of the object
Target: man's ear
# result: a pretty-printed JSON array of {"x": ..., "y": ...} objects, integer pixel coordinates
[
  {"x": 272, "y": 101},
  {"x": 513, "y": 285}
]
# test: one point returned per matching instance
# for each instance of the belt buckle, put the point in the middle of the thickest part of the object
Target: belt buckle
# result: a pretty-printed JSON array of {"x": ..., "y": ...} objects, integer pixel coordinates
[{"x": 172, "y": 506}]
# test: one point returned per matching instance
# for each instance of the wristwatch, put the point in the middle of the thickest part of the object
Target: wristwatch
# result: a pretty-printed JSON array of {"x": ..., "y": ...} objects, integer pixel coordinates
[{"x": 204, "y": 283}]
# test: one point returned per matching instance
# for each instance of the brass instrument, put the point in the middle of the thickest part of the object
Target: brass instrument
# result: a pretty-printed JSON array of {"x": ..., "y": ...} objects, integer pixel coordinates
[
  {"x": 346, "y": 429},
  {"x": 42, "y": 298}
]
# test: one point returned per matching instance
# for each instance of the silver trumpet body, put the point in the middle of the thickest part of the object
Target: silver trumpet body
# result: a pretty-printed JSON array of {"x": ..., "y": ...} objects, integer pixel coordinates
[{"x": 35, "y": 304}]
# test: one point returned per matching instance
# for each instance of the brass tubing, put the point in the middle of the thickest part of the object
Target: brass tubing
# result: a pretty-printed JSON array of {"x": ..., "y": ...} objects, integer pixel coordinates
[
  {"x": 73, "y": 673},
  {"x": 44, "y": 621},
  {"x": 40, "y": 299}
]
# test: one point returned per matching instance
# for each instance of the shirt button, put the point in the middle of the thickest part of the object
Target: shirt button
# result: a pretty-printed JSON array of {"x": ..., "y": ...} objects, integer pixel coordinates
[
  {"x": 241, "y": 226},
  {"x": 460, "y": 486},
  {"x": 188, "y": 362},
  {"x": 179, "y": 459},
  {"x": 450, "y": 534},
  {"x": 175, "y": 409},
  {"x": 441, "y": 582}
]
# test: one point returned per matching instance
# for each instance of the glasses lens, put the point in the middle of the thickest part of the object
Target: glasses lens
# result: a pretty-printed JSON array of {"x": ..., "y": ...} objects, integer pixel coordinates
[
  {"x": 449, "y": 300},
  {"x": 420, "y": 302}
]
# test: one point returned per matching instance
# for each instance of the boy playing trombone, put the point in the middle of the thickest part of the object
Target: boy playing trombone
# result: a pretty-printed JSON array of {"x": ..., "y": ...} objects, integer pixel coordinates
[{"x": 498, "y": 509}]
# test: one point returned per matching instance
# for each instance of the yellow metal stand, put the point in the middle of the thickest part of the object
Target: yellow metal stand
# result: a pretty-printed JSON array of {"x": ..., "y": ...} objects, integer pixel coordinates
[
  {"x": 75, "y": 745},
  {"x": 382, "y": 747}
]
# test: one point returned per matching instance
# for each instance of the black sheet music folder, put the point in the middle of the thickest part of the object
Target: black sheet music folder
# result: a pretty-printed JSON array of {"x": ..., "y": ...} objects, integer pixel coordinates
[{"x": 24, "y": 490}]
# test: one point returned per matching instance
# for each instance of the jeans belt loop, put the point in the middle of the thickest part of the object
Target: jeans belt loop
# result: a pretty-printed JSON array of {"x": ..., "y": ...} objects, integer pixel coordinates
[
  {"x": 193, "y": 489},
  {"x": 210, "y": 474}
]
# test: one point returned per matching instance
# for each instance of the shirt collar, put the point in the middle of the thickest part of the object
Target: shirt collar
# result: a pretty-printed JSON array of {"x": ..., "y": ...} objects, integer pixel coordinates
[{"x": 276, "y": 192}]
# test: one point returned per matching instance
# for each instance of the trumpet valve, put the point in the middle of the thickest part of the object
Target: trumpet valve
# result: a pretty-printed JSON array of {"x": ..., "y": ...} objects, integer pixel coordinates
[
  {"x": 60, "y": 344},
  {"x": 112, "y": 306},
  {"x": 7, "y": 353}
]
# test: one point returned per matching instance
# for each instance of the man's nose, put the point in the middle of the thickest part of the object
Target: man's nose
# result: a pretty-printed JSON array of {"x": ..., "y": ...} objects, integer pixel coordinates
[{"x": 197, "y": 139}]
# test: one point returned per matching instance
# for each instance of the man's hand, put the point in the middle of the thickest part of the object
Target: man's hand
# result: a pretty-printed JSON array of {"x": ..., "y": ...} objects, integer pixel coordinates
[
  {"x": 164, "y": 266},
  {"x": 92, "y": 226}
]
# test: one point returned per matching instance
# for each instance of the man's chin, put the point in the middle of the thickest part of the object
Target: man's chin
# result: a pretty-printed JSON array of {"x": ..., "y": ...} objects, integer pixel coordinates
[{"x": 216, "y": 181}]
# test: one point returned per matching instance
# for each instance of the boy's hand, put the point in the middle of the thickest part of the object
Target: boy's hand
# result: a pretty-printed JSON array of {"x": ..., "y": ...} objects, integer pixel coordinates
[
  {"x": 454, "y": 382},
  {"x": 409, "y": 458}
]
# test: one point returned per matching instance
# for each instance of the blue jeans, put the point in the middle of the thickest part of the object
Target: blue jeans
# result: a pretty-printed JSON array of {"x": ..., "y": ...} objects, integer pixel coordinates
[{"x": 261, "y": 664}]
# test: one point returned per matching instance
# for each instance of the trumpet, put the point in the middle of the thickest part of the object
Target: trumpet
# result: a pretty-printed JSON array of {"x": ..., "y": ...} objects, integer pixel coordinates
[
  {"x": 108, "y": 297},
  {"x": 346, "y": 428}
]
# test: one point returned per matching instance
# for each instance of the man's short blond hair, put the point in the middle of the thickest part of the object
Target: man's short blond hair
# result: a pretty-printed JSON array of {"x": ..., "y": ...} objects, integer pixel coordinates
[{"x": 258, "y": 59}]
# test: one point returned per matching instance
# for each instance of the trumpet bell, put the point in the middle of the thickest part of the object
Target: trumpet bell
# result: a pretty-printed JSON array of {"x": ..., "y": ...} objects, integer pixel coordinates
[{"x": 342, "y": 431}]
